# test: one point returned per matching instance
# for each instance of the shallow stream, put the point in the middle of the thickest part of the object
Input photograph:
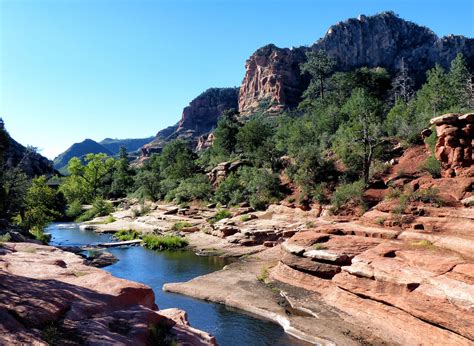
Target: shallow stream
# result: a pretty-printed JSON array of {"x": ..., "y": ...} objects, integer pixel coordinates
[{"x": 153, "y": 268}]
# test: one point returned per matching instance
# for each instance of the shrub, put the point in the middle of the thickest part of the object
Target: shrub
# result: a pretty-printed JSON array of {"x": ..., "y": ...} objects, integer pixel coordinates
[
  {"x": 348, "y": 192},
  {"x": 402, "y": 204},
  {"x": 429, "y": 195},
  {"x": 178, "y": 226},
  {"x": 74, "y": 210},
  {"x": 263, "y": 276},
  {"x": 432, "y": 166},
  {"x": 164, "y": 242},
  {"x": 40, "y": 235},
  {"x": 245, "y": 218},
  {"x": 319, "y": 246},
  {"x": 127, "y": 234},
  {"x": 142, "y": 210},
  {"x": 393, "y": 193},
  {"x": 221, "y": 214},
  {"x": 195, "y": 188},
  {"x": 100, "y": 207},
  {"x": 110, "y": 219}
]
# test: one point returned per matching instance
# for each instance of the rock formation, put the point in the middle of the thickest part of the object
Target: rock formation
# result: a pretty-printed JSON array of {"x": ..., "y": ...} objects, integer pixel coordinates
[
  {"x": 273, "y": 74},
  {"x": 49, "y": 296},
  {"x": 454, "y": 146},
  {"x": 199, "y": 118}
]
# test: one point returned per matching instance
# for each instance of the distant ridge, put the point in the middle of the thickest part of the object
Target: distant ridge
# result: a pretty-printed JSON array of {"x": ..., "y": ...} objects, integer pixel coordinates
[{"x": 80, "y": 150}]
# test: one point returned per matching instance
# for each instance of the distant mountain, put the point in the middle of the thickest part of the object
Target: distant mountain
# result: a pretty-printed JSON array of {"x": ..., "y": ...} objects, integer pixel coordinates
[
  {"x": 80, "y": 150},
  {"x": 109, "y": 146},
  {"x": 131, "y": 144}
]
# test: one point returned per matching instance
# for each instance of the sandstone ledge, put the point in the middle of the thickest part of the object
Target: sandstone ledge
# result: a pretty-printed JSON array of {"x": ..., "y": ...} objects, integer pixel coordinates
[{"x": 49, "y": 295}]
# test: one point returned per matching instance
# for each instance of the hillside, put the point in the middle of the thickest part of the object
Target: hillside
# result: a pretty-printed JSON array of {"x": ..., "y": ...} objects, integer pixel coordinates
[
  {"x": 87, "y": 146},
  {"x": 17, "y": 155},
  {"x": 131, "y": 144}
]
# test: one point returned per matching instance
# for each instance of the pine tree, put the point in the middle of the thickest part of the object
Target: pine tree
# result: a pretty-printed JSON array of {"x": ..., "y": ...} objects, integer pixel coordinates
[
  {"x": 460, "y": 83},
  {"x": 319, "y": 66}
]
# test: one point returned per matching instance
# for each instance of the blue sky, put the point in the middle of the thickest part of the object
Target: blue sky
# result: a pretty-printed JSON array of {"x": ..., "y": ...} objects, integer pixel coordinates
[{"x": 75, "y": 69}]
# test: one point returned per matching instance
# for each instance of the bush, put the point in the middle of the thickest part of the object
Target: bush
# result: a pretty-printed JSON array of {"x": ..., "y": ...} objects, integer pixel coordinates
[
  {"x": 432, "y": 166},
  {"x": 127, "y": 234},
  {"x": 100, "y": 207},
  {"x": 74, "y": 210},
  {"x": 348, "y": 192},
  {"x": 221, "y": 214},
  {"x": 164, "y": 242},
  {"x": 142, "y": 210},
  {"x": 40, "y": 235},
  {"x": 195, "y": 188},
  {"x": 178, "y": 226},
  {"x": 429, "y": 195}
]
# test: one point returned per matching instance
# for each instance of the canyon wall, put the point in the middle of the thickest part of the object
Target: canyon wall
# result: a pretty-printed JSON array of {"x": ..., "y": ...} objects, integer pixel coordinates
[
  {"x": 198, "y": 118},
  {"x": 382, "y": 40}
]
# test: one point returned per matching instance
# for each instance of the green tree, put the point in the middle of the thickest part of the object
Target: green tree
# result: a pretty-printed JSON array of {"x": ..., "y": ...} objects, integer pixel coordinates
[
  {"x": 357, "y": 140},
  {"x": 225, "y": 137},
  {"x": 177, "y": 161},
  {"x": 433, "y": 97},
  {"x": 40, "y": 203},
  {"x": 319, "y": 66},
  {"x": 122, "y": 179},
  {"x": 255, "y": 142},
  {"x": 459, "y": 80},
  {"x": 88, "y": 181}
]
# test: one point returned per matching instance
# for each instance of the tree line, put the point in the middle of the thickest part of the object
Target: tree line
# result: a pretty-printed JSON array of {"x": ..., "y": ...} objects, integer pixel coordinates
[{"x": 331, "y": 144}]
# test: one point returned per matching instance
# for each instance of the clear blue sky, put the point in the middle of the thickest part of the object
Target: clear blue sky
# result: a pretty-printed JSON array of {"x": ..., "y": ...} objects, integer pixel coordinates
[{"x": 75, "y": 69}]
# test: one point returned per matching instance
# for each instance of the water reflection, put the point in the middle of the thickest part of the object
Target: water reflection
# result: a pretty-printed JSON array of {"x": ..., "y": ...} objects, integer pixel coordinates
[{"x": 157, "y": 268}]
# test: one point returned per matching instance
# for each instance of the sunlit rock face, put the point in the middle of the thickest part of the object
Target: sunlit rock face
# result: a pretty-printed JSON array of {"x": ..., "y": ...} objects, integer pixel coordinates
[
  {"x": 273, "y": 74},
  {"x": 454, "y": 146}
]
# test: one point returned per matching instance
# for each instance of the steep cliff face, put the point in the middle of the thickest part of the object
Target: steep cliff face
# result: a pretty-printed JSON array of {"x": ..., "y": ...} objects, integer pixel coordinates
[
  {"x": 198, "y": 118},
  {"x": 382, "y": 40},
  {"x": 273, "y": 75}
]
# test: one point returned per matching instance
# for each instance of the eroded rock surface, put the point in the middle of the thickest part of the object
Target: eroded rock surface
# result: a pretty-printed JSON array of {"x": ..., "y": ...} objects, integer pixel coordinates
[
  {"x": 383, "y": 40},
  {"x": 455, "y": 142},
  {"x": 49, "y": 295}
]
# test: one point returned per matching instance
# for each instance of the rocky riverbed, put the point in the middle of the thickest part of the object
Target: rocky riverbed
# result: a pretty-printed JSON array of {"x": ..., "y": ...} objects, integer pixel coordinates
[
  {"x": 400, "y": 272},
  {"x": 50, "y": 296}
]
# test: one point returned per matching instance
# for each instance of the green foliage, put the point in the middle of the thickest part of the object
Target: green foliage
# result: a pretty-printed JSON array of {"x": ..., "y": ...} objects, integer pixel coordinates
[
  {"x": 225, "y": 138},
  {"x": 148, "y": 184},
  {"x": 74, "y": 209},
  {"x": 257, "y": 186},
  {"x": 460, "y": 84},
  {"x": 143, "y": 209},
  {"x": 122, "y": 178},
  {"x": 319, "y": 65},
  {"x": 432, "y": 166},
  {"x": 357, "y": 140},
  {"x": 164, "y": 242},
  {"x": 255, "y": 142},
  {"x": 100, "y": 207},
  {"x": 86, "y": 182},
  {"x": 39, "y": 208},
  {"x": 177, "y": 161},
  {"x": 196, "y": 187},
  {"x": 179, "y": 225},
  {"x": 220, "y": 215},
  {"x": 348, "y": 193},
  {"x": 127, "y": 234}
]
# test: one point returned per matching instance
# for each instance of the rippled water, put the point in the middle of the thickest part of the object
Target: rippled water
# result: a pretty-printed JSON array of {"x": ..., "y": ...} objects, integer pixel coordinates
[{"x": 157, "y": 268}]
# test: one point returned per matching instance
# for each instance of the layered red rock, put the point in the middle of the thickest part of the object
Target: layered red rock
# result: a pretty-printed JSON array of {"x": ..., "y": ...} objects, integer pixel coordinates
[
  {"x": 272, "y": 75},
  {"x": 383, "y": 40},
  {"x": 47, "y": 293},
  {"x": 455, "y": 142}
]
